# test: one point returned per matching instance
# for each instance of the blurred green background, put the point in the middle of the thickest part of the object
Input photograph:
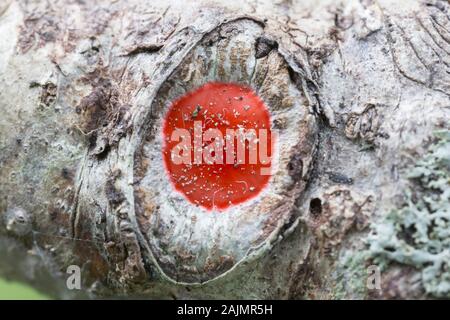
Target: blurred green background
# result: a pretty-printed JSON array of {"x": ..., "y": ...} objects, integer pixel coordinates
[{"x": 14, "y": 291}]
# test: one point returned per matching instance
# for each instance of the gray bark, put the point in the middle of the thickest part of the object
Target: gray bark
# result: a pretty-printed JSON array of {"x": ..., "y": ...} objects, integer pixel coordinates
[{"x": 357, "y": 90}]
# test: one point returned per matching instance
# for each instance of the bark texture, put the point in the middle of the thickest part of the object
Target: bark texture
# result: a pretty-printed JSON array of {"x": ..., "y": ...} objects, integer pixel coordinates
[{"x": 358, "y": 91}]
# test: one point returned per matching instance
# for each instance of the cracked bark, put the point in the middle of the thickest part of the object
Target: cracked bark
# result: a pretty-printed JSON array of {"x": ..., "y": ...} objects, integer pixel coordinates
[{"x": 355, "y": 88}]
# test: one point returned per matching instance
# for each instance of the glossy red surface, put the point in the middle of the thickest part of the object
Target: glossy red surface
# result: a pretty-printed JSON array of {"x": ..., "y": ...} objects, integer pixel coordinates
[{"x": 219, "y": 106}]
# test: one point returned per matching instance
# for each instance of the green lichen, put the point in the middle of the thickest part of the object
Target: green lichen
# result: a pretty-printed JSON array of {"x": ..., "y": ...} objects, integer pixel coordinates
[
  {"x": 418, "y": 233},
  {"x": 351, "y": 275}
]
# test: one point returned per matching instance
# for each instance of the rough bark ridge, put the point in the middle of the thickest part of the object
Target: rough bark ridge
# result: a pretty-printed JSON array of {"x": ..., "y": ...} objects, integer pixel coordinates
[{"x": 358, "y": 90}]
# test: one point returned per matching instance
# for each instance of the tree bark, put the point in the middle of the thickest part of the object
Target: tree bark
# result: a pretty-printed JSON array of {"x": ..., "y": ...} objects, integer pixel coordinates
[{"x": 357, "y": 91}]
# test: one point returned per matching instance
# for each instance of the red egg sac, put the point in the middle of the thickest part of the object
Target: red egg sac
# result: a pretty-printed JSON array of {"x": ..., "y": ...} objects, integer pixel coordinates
[{"x": 214, "y": 174}]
